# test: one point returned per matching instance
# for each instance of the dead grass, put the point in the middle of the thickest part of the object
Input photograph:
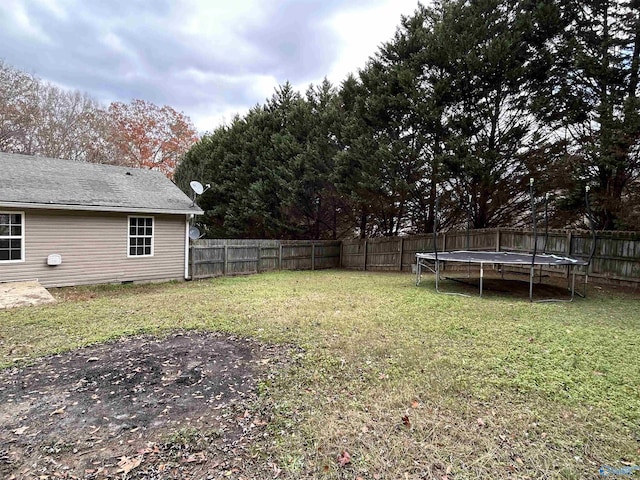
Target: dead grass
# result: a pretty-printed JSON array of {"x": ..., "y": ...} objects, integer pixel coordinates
[{"x": 409, "y": 383}]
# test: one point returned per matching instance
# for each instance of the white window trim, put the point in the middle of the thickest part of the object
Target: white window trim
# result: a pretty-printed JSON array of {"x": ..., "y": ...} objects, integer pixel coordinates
[
  {"x": 10, "y": 237},
  {"x": 129, "y": 236}
]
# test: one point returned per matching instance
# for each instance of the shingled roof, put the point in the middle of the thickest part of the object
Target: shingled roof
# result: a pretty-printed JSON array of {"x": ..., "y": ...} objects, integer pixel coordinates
[{"x": 40, "y": 182}]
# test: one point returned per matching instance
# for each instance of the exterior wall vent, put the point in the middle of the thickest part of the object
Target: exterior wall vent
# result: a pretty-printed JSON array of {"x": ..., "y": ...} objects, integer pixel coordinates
[{"x": 54, "y": 259}]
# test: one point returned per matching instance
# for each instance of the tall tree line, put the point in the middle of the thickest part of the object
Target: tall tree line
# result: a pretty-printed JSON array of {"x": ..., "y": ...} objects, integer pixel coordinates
[
  {"x": 38, "y": 118},
  {"x": 466, "y": 103}
]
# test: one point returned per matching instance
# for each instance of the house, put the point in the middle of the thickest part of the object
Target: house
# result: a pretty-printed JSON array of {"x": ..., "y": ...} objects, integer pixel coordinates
[{"x": 70, "y": 223}]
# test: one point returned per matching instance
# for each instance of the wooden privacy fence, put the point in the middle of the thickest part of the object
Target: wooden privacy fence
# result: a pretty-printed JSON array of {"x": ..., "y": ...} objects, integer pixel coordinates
[
  {"x": 616, "y": 258},
  {"x": 212, "y": 258}
]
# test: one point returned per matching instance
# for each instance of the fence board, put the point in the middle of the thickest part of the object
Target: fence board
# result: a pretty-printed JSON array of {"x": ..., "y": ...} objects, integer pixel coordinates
[
  {"x": 207, "y": 262},
  {"x": 353, "y": 254}
]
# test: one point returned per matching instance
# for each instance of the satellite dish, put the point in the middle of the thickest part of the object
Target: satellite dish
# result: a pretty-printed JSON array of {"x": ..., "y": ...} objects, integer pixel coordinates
[
  {"x": 197, "y": 187},
  {"x": 194, "y": 232}
]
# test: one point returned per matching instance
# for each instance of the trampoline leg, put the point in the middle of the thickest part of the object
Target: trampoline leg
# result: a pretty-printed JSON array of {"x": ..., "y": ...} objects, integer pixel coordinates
[
  {"x": 531, "y": 277},
  {"x": 437, "y": 275},
  {"x": 481, "y": 276},
  {"x": 540, "y": 278}
]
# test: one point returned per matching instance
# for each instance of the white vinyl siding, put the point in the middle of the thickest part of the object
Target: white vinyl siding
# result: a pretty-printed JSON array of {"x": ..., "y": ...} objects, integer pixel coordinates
[
  {"x": 140, "y": 237},
  {"x": 94, "y": 249},
  {"x": 11, "y": 237}
]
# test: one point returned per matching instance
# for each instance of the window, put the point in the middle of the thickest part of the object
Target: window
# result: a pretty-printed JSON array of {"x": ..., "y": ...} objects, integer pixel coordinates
[
  {"x": 140, "y": 237},
  {"x": 11, "y": 237}
]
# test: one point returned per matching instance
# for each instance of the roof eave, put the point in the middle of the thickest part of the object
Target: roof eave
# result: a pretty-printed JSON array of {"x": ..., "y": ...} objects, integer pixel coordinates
[{"x": 102, "y": 208}]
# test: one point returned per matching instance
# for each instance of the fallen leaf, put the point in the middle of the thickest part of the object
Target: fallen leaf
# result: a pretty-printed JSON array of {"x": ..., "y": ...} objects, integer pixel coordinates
[
  {"x": 344, "y": 458},
  {"x": 406, "y": 421},
  {"x": 480, "y": 422},
  {"x": 149, "y": 449},
  {"x": 127, "y": 464},
  {"x": 415, "y": 404},
  {"x": 276, "y": 470},
  {"x": 59, "y": 411},
  {"x": 195, "y": 458},
  {"x": 20, "y": 431}
]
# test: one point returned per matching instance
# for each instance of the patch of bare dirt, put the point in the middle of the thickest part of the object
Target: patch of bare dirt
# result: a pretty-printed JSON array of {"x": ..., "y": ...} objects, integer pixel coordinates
[{"x": 179, "y": 407}]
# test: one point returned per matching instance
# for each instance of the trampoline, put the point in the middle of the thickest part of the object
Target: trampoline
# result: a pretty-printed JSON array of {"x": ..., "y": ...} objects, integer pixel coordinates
[
  {"x": 497, "y": 258},
  {"x": 433, "y": 260}
]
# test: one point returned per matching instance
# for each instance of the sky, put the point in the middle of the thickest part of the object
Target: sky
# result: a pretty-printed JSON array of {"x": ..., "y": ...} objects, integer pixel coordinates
[{"x": 209, "y": 59}]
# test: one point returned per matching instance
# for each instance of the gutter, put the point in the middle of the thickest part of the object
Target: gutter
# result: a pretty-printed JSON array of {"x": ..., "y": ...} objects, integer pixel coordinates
[{"x": 100, "y": 208}]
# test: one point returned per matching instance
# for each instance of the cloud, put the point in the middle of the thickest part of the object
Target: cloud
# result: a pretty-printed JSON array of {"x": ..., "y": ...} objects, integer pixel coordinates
[
  {"x": 358, "y": 44},
  {"x": 201, "y": 57}
]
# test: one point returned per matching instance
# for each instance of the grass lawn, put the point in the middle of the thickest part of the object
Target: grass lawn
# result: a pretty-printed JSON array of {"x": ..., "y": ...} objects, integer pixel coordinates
[{"x": 410, "y": 383}]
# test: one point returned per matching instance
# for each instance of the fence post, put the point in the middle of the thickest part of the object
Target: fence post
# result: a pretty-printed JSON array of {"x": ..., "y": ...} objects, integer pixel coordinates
[
  {"x": 225, "y": 270},
  {"x": 340, "y": 258},
  {"x": 401, "y": 251},
  {"x": 258, "y": 262},
  {"x": 365, "y": 255},
  {"x": 498, "y": 239},
  {"x": 313, "y": 256}
]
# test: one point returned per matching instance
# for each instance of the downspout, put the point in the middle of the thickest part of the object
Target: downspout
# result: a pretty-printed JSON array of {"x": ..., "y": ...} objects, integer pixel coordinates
[{"x": 186, "y": 246}]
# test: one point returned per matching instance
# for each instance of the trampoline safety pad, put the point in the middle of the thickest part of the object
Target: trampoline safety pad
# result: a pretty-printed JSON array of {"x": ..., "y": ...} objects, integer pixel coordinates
[{"x": 512, "y": 258}]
